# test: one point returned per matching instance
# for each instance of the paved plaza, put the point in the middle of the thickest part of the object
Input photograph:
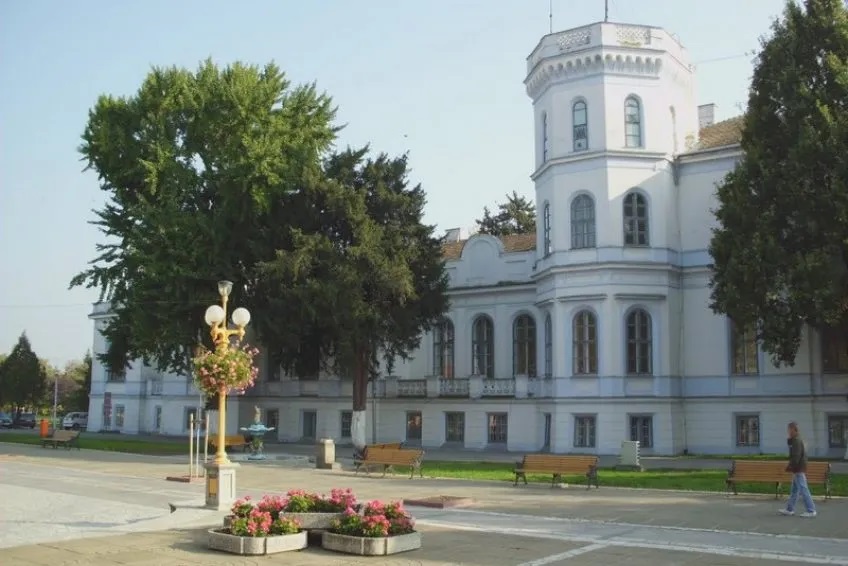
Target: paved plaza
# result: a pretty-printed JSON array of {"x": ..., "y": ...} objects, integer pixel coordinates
[{"x": 87, "y": 507}]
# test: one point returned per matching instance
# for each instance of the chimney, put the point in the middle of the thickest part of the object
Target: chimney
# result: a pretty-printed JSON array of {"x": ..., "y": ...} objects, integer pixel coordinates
[{"x": 706, "y": 115}]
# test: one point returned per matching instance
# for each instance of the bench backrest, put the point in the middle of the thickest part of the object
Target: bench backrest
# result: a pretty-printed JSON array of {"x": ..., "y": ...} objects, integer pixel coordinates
[
  {"x": 64, "y": 435},
  {"x": 818, "y": 472},
  {"x": 757, "y": 469},
  {"x": 395, "y": 445},
  {"x": 578, "y": 463},
  {"x": 393, "y": 455}
]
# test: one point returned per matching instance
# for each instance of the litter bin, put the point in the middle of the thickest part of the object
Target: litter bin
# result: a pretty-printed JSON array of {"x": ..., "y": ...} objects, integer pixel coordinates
[{"x": 45, "y": 428}]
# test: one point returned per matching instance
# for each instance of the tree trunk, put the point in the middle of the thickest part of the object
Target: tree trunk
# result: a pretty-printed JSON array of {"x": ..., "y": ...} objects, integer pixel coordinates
[{"x": 360, "y": 399}]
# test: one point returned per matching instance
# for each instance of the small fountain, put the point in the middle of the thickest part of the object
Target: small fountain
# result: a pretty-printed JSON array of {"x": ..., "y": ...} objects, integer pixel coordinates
[{"x": 256, "y": 431}]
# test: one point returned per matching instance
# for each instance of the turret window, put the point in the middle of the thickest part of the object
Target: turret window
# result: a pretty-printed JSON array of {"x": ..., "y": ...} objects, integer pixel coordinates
[
  {"x": 632, "y": 122},
  {"x": 580, "y": 126},
  {"x": 544, "y": 137}
]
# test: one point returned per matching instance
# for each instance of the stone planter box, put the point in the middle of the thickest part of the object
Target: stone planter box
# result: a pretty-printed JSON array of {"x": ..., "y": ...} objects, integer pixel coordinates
[
  {"x": 256, "y": 545},
  {"x": 370, "y": 546},
  {"x": 312, "y": 521}
]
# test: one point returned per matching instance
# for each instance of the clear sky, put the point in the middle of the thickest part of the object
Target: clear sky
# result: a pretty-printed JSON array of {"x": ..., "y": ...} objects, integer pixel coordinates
[{"x": 439, "y": 78}]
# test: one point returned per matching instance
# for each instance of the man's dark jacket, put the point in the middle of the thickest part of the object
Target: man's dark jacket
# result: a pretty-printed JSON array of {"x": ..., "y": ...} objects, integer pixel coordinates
[{"x": 797, "y": 455}]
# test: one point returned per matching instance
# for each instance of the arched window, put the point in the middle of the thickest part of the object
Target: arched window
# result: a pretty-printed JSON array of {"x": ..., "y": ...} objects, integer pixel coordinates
[
  {"x": 549, "y": 347},
  {"x": 582, "y": 222},
  {"x": 524, "y": 346},
  {"x": 635, "y": 220},
  {"x": 580, "y": 126},
  {"x": 585, "y": 343},
  {"x": 443, "y": 338},
  {"x": 544, "y": 137},
  {"x": 483, "y": 347},
  {"x": 639, "y": 343},
  {"x": 632, "y": 122},
  {"x": 546, "y": 229}
]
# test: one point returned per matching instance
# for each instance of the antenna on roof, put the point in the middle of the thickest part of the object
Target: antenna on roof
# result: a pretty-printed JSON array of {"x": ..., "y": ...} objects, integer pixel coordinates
[
  {"x": 606, "y": 10},
  {"x": 551, "y": 15}
]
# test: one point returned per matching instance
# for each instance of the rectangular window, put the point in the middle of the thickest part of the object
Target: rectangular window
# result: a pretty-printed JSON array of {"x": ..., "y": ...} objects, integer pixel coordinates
[
  {"x": 642, "y": 430},
  {"x": 189, "y": 413},
  {"x": 346, "y": 423},
  {"x": 157, "y": 420},
  {"x": 498, "y": 428},
  {"x": 837, "y": 431},
  {"x": 309, "y": 424},
  {"x": 743, "y": 348},
  {"x": 834, "y": 350},
  {"x": 119, "y": 417},
  {"x": 272, "y": 419},
  {"x": 454, "y": 427},
  {"x": 413, "y": 427},
  {"x": 584, "y": 431},
  {"x": 116, "y": 377},
  {"x": 747, "y": 430}
]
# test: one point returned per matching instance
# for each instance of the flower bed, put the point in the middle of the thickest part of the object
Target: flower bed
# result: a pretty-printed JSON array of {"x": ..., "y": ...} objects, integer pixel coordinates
[
  {"x": 311, "y": 510},
  {"x": 253, "y": 531},
  {"x": 381, "y": 529}
]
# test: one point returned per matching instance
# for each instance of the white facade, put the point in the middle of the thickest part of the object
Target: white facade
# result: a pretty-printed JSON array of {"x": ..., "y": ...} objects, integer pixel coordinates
[{"x": 593, "y": 331}]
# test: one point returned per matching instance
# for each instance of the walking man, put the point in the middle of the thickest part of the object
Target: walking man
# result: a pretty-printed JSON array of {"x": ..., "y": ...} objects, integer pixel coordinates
[{"x": 798, "y": 466}]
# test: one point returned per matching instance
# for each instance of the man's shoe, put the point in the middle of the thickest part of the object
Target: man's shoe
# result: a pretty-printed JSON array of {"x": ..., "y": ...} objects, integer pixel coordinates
[
  {"x": 809, "y": 514},
  {"x": 786, "y": 512}
]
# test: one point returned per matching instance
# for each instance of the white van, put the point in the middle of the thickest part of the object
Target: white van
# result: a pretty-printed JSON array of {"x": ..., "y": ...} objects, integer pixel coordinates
[{"x": 75, "y": 421}]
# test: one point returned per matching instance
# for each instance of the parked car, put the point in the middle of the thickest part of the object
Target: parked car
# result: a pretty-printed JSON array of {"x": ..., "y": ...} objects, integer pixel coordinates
[
  {"x": 75, "y": 421},
  {"x": 5, "y": 420},
  {"x": 26, "y": 420}
]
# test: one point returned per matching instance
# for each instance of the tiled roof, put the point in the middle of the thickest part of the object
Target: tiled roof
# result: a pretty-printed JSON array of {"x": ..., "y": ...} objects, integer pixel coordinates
[
  {"x": 727, "y": 132},
  {"x": 511, "y": 243}
]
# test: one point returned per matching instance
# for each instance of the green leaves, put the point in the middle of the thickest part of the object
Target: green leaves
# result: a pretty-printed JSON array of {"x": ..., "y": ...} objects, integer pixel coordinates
[
  {"x": 781, "y": 248},
  {"x": 23, "y": 377},
  {"x": 516, "y": 216}
]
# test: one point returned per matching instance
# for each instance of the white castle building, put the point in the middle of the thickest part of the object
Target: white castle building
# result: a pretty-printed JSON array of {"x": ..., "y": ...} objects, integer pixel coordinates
[{"x": 594, "y": 330}]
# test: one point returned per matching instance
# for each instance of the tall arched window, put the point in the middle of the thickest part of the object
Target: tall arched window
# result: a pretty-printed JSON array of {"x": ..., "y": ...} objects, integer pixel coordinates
[
  {"x": 585, "y": 343},
  {"x": 580, "y": 126},
  {"x": 635, "y": 220},
  {"x": 443, "y": 342},
  {"x": 546, "y": 229},
  {"x": 549, "y": 347},
  {"x": 582, "y": 222},
  {"x": 483, "y": 347},
  {"x": 544, "y": 137},
  {"x": 639, "y": 343},
  {"x": 524, "y": 346},
  {"x": 632, "y": 122}
]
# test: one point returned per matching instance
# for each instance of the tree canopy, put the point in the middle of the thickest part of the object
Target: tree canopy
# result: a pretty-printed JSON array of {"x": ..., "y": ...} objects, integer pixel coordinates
[
  {"x": 23, "y": 377},
  {"x": 198, "y": 167},
  {"x": 515, "y": 216},
  {"x": 366, "y": 276},
  {"x": 780, "y": 250}
]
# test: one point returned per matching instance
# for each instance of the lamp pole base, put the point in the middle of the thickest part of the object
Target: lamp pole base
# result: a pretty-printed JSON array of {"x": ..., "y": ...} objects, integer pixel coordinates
[{"x": 220, "y": 485}]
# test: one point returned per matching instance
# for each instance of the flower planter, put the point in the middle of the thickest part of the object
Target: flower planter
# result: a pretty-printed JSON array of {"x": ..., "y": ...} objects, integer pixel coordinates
[
  {"x": 233, "y": 544},
  {"x": 310, "y": 521},
  {"x": 371, "y": 546}
]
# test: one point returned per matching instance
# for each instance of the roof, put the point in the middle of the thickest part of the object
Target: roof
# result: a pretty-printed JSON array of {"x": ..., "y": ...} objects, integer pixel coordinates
[
  {"x": 726, "y": 132},
  {"x": 511, "y": 243}
]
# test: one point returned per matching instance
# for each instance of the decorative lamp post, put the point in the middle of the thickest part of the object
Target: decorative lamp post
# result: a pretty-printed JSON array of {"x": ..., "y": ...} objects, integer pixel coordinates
[{"x": 227, "y": 368}]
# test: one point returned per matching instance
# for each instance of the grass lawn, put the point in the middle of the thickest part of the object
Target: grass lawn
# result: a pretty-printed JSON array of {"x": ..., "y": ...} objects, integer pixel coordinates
[
  {"x": 92, "y": 442},
  {"x": 689, "y": 480}
]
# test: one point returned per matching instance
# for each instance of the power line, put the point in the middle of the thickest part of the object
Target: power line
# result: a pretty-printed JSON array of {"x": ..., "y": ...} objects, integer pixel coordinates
[{"x": 73, "y": 305}]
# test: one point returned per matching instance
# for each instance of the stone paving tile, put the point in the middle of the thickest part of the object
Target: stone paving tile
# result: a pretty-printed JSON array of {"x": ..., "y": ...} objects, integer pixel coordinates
[
  {"x": 172, "y": 548},
  {"x": 642, "y": 557}
]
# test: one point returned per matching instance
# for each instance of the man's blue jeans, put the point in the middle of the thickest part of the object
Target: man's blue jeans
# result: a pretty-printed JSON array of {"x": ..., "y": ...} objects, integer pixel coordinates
[{"x": 800, "y": 487}]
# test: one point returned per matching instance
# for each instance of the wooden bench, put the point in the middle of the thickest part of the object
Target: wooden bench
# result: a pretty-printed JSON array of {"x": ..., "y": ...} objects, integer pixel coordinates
[
  {"x": 756, "y": 471},
  {"x": 234, "y": 441},
  {"x": 391, "y": 457},
  {"x": 67, "y": 438},
  {"x": 359, "y": 455},
  {"x": 558, "y": 465}
]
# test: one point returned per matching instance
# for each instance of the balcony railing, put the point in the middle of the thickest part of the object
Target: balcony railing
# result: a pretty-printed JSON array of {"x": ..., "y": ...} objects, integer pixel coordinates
[
  {"x": 412, "y": 388},
  {"x": 498, "y": 388},
  {"x": 453, "y": 387}
]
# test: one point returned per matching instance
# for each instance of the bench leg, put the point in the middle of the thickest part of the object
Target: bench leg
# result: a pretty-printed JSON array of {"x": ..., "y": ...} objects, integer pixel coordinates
[
  {"x": 777, "y": 490},
  {"x": 521, "y": 475},
  {"x": 557, "y": 478}
]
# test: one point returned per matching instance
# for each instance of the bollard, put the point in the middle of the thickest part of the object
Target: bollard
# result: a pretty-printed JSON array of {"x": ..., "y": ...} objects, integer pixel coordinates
[
  {"x": 325, "y": 455},
  {"x": 44, "y": 429}
]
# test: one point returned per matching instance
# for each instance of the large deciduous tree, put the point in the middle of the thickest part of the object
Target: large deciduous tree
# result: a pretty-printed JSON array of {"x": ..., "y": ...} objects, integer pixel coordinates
[
  {"x": 197, "y": 167},
  {"x": 366, "y": 277},
  {"x": 23, "y": 377},
  {"x": 515, "y": 216},
  {"x": 781, "y": 248}
]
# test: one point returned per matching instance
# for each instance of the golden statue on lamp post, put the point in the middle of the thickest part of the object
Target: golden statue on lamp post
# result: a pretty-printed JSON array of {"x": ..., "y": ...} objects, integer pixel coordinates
[{"x": 229, "y": 367}]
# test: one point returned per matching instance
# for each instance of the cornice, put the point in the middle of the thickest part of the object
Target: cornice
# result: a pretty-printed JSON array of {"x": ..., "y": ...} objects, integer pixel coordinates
[{"x": 573, "y": 66}]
